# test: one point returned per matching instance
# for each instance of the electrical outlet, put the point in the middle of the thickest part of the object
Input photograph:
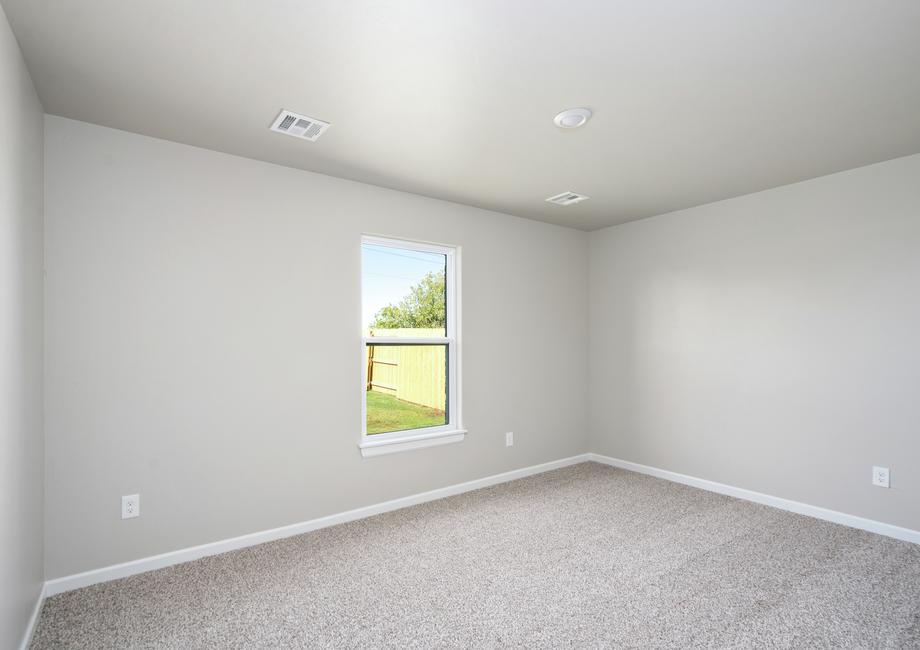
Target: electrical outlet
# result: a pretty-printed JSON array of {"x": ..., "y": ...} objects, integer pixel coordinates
[
  {"x": 509, "y": 439},
  {"x": 130, "y": 506},
  {"x": 880, "y": 476}
]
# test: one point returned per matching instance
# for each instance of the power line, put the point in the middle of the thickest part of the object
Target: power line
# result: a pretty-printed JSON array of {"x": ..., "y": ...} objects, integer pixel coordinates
[
  {"x": 390, "y": 275},
  {"x": 408, "y": 257}
]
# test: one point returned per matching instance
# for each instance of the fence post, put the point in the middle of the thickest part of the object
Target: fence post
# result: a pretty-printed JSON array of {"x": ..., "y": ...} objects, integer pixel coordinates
[{"x": 370, "y": 366}]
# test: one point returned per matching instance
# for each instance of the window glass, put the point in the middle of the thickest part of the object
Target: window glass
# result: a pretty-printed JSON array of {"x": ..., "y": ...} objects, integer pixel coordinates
[
  {"x": 409, "y": 344},
  {"x": 406, "y": 387},
  {"x": 403, "y": 292}
]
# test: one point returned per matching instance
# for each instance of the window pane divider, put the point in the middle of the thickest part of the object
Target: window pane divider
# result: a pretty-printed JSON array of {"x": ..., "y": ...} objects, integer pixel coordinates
[{"x": 395, "y": 340}]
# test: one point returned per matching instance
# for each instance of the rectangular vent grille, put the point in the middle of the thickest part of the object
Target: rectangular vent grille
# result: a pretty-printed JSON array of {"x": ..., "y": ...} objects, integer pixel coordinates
[
  {"x": 299, "y": 126},
  {"x": 567, "y": 198}
]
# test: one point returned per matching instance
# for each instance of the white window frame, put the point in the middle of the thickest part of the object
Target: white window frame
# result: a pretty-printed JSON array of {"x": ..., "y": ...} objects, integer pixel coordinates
[{"x": 385, "y": 443}]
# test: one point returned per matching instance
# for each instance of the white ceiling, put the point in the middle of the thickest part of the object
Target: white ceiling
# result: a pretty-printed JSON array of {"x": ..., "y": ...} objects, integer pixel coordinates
[{"x": 693, "y": 101}]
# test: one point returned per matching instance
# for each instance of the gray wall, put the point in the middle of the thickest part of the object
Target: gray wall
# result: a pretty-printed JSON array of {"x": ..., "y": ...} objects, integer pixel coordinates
[
  {"x": 203, "y": 344},
  {"x": 21, "y": 442},
  {"x": 769, "y": 341},
  {"x": 203, "y": 321}
]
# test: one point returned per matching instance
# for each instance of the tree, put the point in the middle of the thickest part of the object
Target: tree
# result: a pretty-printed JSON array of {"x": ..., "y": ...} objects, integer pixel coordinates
[{"x": 422, "y": 307}]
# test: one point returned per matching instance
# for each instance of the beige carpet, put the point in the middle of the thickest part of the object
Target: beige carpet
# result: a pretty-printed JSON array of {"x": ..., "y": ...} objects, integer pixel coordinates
[{"x": 583, "y": 557}]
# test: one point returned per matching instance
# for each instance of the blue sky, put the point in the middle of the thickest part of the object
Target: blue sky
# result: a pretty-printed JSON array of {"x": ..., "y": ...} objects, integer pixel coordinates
[{"x": 388, "y": 273}]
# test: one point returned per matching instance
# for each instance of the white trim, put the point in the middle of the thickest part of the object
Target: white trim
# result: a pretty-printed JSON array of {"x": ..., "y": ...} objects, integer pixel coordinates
[
  {"x": 115, "y": 571},
  {"x": 371, "y": 447},
  {"x": 451, "y": 341},
  {"x": 406, "y": 340},
  {"x": 407, "y": 435},
  {"x": 889, "y": 530},
  {"x": 400, "y": 243},
  {"x": 33, "y": 620}
]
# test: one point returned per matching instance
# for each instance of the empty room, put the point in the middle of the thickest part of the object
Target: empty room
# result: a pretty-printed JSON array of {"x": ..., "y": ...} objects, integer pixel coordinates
[{"x": 473, "y": 324}]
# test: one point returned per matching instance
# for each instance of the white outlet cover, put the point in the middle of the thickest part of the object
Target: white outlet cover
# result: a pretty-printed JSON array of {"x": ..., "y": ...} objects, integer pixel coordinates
[
  {"x": 509, "y": 439},
  {"x": 880, "y": 476},
  {"x": 130, "y": 506}
]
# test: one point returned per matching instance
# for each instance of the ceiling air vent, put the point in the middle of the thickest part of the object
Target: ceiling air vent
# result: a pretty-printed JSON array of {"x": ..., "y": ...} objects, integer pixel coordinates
[
  {"x": 567, "y": 198},
  {"x": 299, "y": 126}
]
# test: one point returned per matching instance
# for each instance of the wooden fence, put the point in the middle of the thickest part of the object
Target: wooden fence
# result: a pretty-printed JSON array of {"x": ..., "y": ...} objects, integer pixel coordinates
[{"x": 413, "y": 373}]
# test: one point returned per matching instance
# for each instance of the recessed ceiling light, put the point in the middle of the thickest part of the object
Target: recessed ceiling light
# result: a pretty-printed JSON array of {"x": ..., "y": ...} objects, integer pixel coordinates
[{"x": 572, "y": 118}]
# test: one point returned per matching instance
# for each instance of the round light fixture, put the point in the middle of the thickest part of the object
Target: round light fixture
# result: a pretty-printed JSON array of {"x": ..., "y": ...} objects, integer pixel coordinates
[{"x": 572, "y": 118}]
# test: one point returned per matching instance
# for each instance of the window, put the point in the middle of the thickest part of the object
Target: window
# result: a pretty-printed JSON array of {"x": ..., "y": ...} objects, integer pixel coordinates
[{"x": 409, "y": 346}]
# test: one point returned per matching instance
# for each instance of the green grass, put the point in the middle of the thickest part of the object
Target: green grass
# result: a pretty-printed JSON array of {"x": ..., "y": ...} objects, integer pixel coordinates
[{"x": 386, "y": 413}]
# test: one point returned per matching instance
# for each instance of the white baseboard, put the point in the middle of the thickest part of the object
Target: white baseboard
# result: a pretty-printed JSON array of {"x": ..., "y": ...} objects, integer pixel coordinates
[
  {"x": 905, "y": 534},
  {"x": 115, "y": 571},
  {"x": 33, "y": 619}
]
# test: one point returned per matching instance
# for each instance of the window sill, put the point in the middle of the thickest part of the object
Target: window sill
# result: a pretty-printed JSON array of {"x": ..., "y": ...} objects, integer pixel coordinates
[{"x": 372, "y": 447}]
